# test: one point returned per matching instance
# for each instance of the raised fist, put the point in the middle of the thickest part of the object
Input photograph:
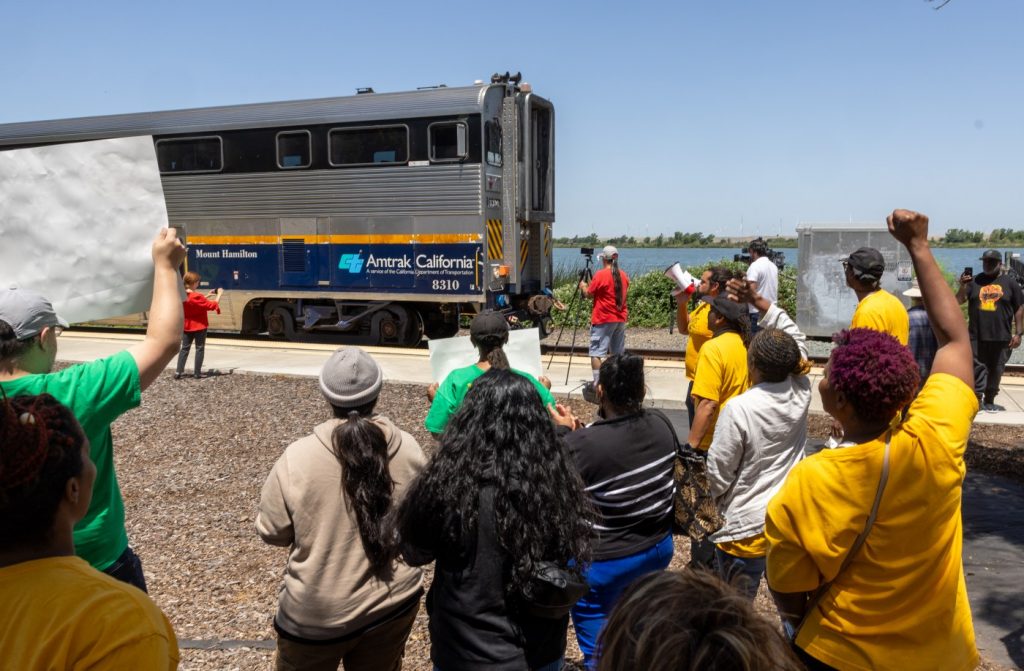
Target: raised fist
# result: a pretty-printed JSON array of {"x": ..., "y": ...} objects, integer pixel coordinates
[{"x": 908, "y": 226}]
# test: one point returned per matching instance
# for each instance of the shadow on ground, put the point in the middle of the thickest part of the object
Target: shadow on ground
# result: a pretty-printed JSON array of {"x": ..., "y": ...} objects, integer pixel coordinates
[{"x": 994, "y": 564}]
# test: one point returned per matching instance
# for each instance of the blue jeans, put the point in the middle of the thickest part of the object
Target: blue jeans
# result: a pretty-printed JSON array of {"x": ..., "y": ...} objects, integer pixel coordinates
[
  {"x": 128, "y": 568},
  {"x": 607, "y": 581},
  {"x": 743, "y": 573}
]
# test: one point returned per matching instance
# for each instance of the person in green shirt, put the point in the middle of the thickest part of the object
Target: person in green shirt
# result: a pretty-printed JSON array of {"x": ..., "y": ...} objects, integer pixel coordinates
[
  {"x": 488, "y": 332},
  {"x": 96, "y": 392}
]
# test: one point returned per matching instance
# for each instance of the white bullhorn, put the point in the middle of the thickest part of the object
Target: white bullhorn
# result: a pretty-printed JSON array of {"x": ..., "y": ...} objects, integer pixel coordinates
[{"x": 684, "y": 280}]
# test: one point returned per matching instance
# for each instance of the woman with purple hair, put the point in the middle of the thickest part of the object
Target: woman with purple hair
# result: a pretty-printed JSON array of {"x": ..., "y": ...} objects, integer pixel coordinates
[{"x": 864, "y": 541}]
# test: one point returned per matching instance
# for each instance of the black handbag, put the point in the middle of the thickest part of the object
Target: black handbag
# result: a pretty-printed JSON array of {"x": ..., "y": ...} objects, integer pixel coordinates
[{"x": 552, "y": 591}]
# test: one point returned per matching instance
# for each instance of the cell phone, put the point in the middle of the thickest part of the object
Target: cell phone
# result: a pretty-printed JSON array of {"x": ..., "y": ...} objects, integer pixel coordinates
[{"x": 968, "y": 270}]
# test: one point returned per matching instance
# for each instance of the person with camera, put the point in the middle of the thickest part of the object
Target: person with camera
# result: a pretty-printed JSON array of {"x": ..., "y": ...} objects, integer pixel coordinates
[
  {"x": 995, "y": 311},
  {"x": 865, "y": 541},
  {"x": 196, "y": 323},
  {"x": 608, "y": 287},
  {"x": 764, "y": 276}
]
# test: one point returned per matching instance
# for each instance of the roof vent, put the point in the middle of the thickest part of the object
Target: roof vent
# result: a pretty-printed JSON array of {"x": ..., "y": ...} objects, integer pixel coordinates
[{"x": 364, "y": 89}]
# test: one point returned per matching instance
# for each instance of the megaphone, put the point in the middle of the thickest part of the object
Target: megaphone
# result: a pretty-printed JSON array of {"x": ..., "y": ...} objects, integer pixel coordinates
[{"x": 684, "y": 281}]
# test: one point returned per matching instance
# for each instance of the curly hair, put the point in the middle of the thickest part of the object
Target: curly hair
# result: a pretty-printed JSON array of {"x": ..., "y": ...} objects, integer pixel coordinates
[
  {"x": 672, "y": 621},
  {"x": 622, "y": 376},
  {"x": 776, "y": 355},
  {"x": 502, "y": 437},
  {"x": 876, "y": 373},
  {"x": 362, "y": 451},
  {"x": 40, "y": 450}
]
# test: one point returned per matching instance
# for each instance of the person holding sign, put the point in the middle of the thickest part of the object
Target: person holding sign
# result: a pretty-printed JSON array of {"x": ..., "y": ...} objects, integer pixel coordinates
[
  {"x": 489, "y": 333},
  {"x": 97, "y": 392}
]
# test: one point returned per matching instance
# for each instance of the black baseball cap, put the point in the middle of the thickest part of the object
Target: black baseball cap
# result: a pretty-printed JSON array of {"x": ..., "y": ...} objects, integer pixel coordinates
[
  {"x": 731, "y": 310},
  {"x": 867, "y": 263},
  {"x": 488, "y": 323},
  {"x": 992, "y": 255}
]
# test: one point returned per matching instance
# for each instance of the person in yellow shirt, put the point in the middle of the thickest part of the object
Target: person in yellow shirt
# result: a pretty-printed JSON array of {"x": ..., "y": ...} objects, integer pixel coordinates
[
  {"x": 877, "y": 309},
  {"x": 694, "y": 324},
  {"x": 865, "y": 540},
  {"x": 57, "y": 611},
  {"x": 721, "y": 375}
]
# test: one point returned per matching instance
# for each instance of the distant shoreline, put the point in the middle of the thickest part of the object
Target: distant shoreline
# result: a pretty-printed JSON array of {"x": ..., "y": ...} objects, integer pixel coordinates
[{"x": 774, "y": 243}]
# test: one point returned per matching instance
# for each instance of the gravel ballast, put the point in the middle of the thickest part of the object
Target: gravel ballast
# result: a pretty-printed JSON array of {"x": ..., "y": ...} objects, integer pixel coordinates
[{"x": 192, "y": 461}]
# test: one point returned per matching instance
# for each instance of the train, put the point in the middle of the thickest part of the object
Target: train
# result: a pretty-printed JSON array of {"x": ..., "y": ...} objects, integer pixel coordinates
[{"x": 375, "y": 218}]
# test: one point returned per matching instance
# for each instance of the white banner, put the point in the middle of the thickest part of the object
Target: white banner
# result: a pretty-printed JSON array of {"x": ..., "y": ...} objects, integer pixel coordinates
[
  {"x": 77, "y": 222},
  {"x": 522, "y": 350}
]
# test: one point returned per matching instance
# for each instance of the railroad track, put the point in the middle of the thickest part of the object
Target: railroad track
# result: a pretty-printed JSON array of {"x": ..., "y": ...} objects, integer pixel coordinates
[{"x": 580, "y": 350}]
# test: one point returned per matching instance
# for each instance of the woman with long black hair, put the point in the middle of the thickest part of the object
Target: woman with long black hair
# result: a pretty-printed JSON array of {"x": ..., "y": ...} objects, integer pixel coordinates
[
  {"x": 609, "y": 288},
  {"x": 329, "y": 498},
  {"x": 499, "y": 498}
]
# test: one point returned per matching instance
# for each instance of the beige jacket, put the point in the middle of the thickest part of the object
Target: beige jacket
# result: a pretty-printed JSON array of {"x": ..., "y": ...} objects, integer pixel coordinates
[{"x": 328, "y": 590}]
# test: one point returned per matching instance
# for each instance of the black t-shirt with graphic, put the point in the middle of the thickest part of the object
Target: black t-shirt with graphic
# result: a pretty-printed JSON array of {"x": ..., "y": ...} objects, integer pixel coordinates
[{"x": 991, "y": 304}]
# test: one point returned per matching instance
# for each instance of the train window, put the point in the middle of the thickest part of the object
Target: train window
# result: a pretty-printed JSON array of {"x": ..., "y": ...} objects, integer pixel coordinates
[
  {"x": 190, "y": 154},
  {"x": 293, "y": 149},
  {"x": 376, "y": 145},
  {"x": 447, "y": 141},
  {"x": 492, "y": 130}
]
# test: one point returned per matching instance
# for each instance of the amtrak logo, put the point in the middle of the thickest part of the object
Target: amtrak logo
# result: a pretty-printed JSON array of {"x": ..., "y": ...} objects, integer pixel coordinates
[{"x": 353, "y": 263}]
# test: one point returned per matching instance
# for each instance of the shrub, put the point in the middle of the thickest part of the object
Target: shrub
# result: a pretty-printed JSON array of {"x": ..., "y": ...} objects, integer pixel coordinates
[{"x": 650, "y": 299}]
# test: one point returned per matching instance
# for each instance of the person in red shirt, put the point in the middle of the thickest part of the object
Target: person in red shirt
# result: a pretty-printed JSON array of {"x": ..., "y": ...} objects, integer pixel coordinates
[
  {"x": 196, "y": 323},
  {"x": 608, "y": 288}
]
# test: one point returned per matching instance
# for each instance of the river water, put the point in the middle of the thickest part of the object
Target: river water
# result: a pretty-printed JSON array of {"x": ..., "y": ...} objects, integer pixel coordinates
[{"x": 639, "y": 260}]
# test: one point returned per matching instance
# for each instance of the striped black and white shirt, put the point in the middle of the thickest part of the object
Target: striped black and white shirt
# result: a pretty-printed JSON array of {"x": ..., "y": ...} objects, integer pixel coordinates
[{"x": 626, "y": 464}]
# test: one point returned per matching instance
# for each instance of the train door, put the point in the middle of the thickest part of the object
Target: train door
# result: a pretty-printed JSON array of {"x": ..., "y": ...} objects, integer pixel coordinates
[
  {"x": 299, "y": 253},
  {"x": 538, "y": 193}
]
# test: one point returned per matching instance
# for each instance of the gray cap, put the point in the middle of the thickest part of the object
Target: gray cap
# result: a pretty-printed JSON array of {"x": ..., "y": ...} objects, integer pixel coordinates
[
  {"x": 27, "y": 312},
  {"x": 350, "y": 378}
]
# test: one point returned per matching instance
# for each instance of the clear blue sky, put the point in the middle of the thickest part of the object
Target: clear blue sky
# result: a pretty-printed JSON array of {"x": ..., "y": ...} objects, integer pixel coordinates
[{"x": 672, "y": 115}]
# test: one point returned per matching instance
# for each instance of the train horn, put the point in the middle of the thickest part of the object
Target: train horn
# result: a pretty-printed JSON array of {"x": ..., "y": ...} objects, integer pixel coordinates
[{"x": 684, "y": 280}]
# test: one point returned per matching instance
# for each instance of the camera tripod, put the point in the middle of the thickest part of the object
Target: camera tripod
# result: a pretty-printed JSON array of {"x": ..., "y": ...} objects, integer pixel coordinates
[{"x": 584, "y": 275}]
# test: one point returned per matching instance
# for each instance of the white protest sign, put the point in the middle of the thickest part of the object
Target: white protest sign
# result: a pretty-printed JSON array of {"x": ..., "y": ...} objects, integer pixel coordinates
[
  {"x": 522, "y": 350},
  {"x": 77, "y": 223}
]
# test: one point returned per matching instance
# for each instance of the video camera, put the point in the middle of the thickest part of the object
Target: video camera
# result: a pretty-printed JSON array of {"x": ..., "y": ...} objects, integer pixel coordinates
[{"x": 758, "y": 244}]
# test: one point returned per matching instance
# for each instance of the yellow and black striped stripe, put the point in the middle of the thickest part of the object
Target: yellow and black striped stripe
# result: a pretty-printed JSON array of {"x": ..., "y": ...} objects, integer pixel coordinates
[
  {"x": 547, "y": 241},
  {"x": 524, "y": 252},
  {"x": 495, "y": 239}
]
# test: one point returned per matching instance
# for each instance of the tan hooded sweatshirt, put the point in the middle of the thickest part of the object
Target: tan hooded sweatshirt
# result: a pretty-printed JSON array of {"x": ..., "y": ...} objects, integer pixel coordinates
[{"x": 328, "y": 589}]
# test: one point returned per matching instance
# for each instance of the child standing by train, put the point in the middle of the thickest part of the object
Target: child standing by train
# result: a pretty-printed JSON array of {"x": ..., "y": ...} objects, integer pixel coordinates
[{"x": 196, "y": 323}]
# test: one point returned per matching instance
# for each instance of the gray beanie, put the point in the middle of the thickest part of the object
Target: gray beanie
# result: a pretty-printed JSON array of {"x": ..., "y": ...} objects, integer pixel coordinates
[{"x": 350, "y": 378}]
